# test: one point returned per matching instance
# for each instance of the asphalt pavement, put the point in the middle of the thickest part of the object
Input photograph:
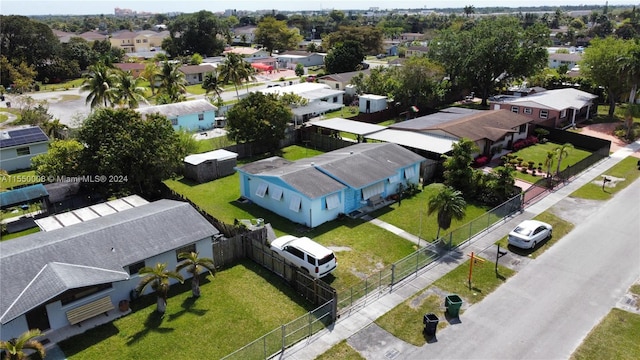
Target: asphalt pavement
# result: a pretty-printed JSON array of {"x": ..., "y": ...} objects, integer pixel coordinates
[{"x": 542, "y": 312}]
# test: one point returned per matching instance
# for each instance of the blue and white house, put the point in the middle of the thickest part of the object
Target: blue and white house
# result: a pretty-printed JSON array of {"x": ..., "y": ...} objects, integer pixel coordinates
[
  {"x": 90, "y": 258},
  {"x": 192, "y": 115},
  {"x": 18, "y": 145},
  {"x": 315, "y": 190}
]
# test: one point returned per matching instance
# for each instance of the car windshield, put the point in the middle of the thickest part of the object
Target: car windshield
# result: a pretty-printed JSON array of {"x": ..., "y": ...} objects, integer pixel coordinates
[
  {"x": 326, "y": 259},
  {"x": 522, "y": 231}
]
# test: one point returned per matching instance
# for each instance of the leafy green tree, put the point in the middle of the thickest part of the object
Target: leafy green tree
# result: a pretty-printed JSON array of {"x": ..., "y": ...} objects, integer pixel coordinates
[
  {"x": 458, "y": 173},
  {"x": 562, "y": 152},
  {"x": 186, "y": 142},
  {"x": 492, "y": 51},
  {"x": 421, "y": 83},
  {"x": 194, "y": 265},
  {"x": 630, "y": 70},
  {"x": 172, "y": 81},
  {"x": 14, "y": 348},
  {"x": 468, "y": 10},
  {"x": 158, "y": 278},
  {"x": 260, "y": 118},
  {"x": 299, "y": 69},
  {"x": 79, "y": 49},
  {"x": 505, "y": 182},
  {"x": 120, "y": 143},
  {"x": 150, "y": 73},
  {"x": 449, "y": 204},
  {"x": 600, "y": 61},
  {"x": 127, "y": 90},
  {"x": 55, "y": 129},
  {"x": 275, "y": 35},
  {"x": 62, "y": 159},
  {"x": 234, "y": 70},
  {"x": 344, "y": 57},
  {"x": 196, "y": 59},
  {"x": 202, "y": 32},
  {"x": 369, "y": 38},
  {"x": 99, "y": 83}
]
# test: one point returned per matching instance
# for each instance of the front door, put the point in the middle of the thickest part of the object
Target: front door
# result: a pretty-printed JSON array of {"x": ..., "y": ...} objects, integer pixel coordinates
[{"x": 38, "y": 318}]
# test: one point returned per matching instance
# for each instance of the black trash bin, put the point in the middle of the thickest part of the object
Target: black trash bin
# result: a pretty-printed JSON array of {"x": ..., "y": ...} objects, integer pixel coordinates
[{"x": 430, "y": 322}]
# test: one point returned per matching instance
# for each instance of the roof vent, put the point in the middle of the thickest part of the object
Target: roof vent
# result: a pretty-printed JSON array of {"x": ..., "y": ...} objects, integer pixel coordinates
[
  {"x": 350, "y": 152},
  {"x": 313, "y": 164}
]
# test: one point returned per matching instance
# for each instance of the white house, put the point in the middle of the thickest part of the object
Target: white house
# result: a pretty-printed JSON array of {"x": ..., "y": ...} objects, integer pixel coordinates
[
  {"x": 290, "y": 59},
  {"x": 18, "y": 145},
  {"x": 94, "y": 262},
  {"x": 321, "y": 99},
  {"x": 315, "y": 190},
  {"x": 195, "y": 74}
]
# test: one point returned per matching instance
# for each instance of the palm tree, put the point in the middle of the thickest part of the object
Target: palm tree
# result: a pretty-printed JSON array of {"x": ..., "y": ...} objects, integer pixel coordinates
[
  {"x": 55, "y": 129},
  {"x": 211, "y": 83},
  {"x": 449, "y": 204},
  {"x": 158, "y": 277},
  {"x": 562, "y": 152},
  {"x": 194, "y": 265},
  {"x": 127, "y": 90},
  {"x": 150, "y": 73},
  {"x": 548, "y": 163},
  {"x": 468, "y": 10},
  {"x": 235, "y": 70},
  {"x": 172, "y": 81},
  {"x": 15, "y": 347},
  {"x": 99, "y": 82},
  {"x": 505, "y": 181},
  {"x": 630, "y": 69}
]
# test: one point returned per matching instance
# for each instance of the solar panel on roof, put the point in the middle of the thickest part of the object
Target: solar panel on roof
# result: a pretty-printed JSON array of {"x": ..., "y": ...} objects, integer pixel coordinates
[{"x": 23, "y": 136}]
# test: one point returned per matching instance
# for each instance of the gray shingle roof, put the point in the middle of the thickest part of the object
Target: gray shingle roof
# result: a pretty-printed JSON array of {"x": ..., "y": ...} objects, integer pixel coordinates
[
  {"x": 37, "y": 267},
  {"x": 178, "y": 109}
]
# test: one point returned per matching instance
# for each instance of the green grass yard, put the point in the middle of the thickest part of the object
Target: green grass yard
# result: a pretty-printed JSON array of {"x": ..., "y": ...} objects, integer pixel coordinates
[
  {"x": 538, "y": 153},
  {"x": 626, "y": 169},
  {"x": 616, "y": 337},
  {"x": 237, "y": 305},
  {"x": 342, "y": 351}
]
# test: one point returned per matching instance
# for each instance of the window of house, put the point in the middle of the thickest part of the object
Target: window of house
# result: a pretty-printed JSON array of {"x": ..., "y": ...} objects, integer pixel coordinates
[
  {"x": 276, "y": 193},
  {"x": 135, "y": 268},
  {"x": 200, "y": 117},
  {"x": 515, "y": 109},
  {"x": 333, "y": 201},
  {"x": 262, "y": 189},
  {"x": 23, "y": 151},
  {"x": 137, "y": 41},
  {"x": 563, "y": 113},
  {"x": 409, "y": 173},
  {"x": 528, "y": 111},
  {"x": 544, "y": 114},
  {"x": 81, "y": 293},
  {"x": 185, "y": 249},
  {"x": 337, "y": 86},
  {"x": 295, "y": 203},
  {"x": 335, "y": 99},
  {"x": 522, "y": 128}
]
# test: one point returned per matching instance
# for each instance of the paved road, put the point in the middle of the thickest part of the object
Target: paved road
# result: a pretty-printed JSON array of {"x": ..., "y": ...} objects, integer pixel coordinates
[{"x": 546, "y": 310}]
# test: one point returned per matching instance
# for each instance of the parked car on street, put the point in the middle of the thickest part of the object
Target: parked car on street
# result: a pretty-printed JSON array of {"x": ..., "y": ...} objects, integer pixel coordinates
[
  {"x": 530, "y": 233},
  {"x": 312, "y": 258}
]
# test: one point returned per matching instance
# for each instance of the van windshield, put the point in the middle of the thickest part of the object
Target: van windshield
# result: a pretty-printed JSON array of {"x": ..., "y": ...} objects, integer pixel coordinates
[{"x": 326, "y": 259}]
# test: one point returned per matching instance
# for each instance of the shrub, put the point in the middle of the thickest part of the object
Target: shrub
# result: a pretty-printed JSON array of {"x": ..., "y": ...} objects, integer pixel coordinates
[
  {"x": 531, "y": 163},
  {"x": 541, "y": 133},
  {"x": 481, "y": 160},
  {"x": 520, "y": 160}
]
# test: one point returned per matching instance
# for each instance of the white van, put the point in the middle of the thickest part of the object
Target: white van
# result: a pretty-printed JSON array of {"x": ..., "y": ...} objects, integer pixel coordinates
[{"x": 311, "y": 257}]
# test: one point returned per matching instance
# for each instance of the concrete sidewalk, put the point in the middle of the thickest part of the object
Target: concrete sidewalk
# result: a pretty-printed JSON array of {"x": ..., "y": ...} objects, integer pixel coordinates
[{"x": 350, "y": 324}]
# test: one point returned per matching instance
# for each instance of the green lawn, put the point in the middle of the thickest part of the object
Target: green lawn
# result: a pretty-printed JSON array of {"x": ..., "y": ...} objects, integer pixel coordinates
[
  {"x": 19, "y": 178},
  {"x": 341, "y": 351},
  {"x": 560, "y": 229},
  {"x": 538, "y": 153},
  {"x": 236, "y": 306},
  {"x": 411, "y": 214},
  {"x": 626, "y": 169},
  {"x": 63, "y": 85},
  {"x": 215, "y": 143},
  {"x": 405, "y": 320},
  {"x": 616, "y": 337},
  {"x": 19, "y": 233}
]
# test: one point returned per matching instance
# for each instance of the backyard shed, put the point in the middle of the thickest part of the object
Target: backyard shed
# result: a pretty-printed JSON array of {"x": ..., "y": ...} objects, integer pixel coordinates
[
  {"x": 210, "y": 165},
  {"x": 370, "y": 103}
]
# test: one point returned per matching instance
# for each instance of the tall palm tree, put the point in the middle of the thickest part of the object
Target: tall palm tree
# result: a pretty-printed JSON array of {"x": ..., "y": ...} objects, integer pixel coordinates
[
  {"x": 14, "y": 348},
  {"x": 505, "y": 181},
  {"x": 194, "y": 265},
  {"x": 211, "y": 83},
  {"x": 150, "y": 73},
  {"x": 127, "y": 90},
  {"x": 468, "y": 10},
  {"x": 158, "y": 277},
  {"x": 562, "y": 152},
  {"x": 449, "y": 204},
  {"x": 630, "y": 69},
  {"x": 172, "y": 81},
  {"x": 99, "y": 82},
  {"x": 548, "y": 161},
  {"x": 235, "y": 70}
]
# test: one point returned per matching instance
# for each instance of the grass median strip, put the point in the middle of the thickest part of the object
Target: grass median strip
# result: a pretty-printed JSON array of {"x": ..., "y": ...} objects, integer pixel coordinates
[
  {"x": 621, "y": 175},
  {"x": 405, "y": 320},
  {"x": 342, "y": 351},
  {"x": 616, "y": 337}
]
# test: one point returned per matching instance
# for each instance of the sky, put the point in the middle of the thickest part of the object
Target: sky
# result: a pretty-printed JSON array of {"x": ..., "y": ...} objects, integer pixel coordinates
[{"x": 94, "y": 7}]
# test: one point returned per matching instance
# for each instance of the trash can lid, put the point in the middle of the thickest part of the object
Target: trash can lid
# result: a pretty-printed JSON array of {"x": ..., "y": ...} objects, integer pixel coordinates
[
  {"x": 454, "y": 298},
  {"x": 430, "y": 317}
]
